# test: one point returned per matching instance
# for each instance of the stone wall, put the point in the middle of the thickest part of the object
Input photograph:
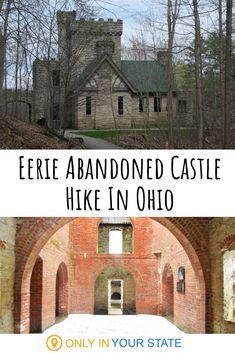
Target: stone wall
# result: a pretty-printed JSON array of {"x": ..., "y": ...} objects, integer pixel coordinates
[
  {"x": 45, "y": 95},
  {"x": 221, "y": 230},
  {"x": 7, "y": 273},
  {"x": 20, "y": 104},
  {"x": 104, "y": 107}
]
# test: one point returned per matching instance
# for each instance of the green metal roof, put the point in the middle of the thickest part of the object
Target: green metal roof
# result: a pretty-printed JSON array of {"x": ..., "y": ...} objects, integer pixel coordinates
[
  {"x": 140, "y": 76},
  {"x": 146, "y": 76}
]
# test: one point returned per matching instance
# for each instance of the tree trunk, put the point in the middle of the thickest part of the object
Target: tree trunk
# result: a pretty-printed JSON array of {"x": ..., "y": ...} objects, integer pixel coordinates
[
  {"x": 3, "y": 40},
  {"x": 221, "y": 60},
  {"x": 228, "y": 77},
  {"x": 198, "y": 76},
  {"x": 170, "y": 75},
  {"x": 2, "y": 67},
  {"x": 1, "y": 5},
  {"x": 17, "y": 65}
]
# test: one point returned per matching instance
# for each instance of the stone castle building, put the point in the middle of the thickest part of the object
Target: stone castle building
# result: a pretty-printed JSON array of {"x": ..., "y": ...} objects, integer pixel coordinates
[
  {"x": 183, "y": 268},
  {"x": 89, "y": 86}
]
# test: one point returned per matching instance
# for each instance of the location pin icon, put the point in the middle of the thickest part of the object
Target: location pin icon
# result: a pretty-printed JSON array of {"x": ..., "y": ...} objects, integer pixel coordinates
[{"x": 54, "y": 342}]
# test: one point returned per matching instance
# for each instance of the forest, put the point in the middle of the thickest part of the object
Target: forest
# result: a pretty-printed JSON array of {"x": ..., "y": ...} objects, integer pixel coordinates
[{"x": 197, "y": 34}]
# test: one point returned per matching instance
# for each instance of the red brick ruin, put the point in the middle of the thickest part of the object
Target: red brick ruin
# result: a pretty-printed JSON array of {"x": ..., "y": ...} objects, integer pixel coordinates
[{"x": 59, "y": 266}]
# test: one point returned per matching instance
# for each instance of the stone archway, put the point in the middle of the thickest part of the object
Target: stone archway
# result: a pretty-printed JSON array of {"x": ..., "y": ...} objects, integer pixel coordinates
[
  {"x": 61, "y": 307},
  {"x": 20, "y": 108},
  {"x": 36, "y": 297}
]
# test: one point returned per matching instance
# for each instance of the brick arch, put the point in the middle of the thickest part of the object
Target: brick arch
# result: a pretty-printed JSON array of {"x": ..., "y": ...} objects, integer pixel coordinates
[
  {"x": 35, "y": 297},
  {"x": 167, "y": 291},
  {"x": 101, "y": 288},
  {"x": 228, "y": 241},
  {"x": 61, "y": 290},
  {"x": 192, "y": 234},
  {"x": 33, "y": 234}
]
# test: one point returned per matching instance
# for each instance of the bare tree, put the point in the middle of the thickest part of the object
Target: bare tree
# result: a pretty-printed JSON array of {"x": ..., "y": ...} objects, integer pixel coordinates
[
  {"x": 173, "y": 11},
  {"x": 198, "y": 76},
  {"x": 3, "y": 43},
  {"x": 221, "y": 56},
  {"x": 28, "y": 31},
  {"x": 228, "y": 76}
]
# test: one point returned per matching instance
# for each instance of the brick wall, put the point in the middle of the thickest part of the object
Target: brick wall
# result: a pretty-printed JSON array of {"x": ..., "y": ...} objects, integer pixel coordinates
[
  {"x": 189, "y": 307},
  {"x": 7, "y": 269},
  {"x": 150, "y": 238}
]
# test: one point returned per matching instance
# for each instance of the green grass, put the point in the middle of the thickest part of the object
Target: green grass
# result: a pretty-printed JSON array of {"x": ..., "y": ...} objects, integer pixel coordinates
[{"x": 103, "y": 134}]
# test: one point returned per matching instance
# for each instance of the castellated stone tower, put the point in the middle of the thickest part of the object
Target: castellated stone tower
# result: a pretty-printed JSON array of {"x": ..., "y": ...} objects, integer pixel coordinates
[{"x": 81, "y": 41}]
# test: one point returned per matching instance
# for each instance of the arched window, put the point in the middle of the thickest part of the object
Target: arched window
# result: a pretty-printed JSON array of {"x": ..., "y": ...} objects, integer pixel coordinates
[
  {"x": 229, "y": 283},
  {"x": 181, "y": 280},
  {"x": 115, "y": 236}
]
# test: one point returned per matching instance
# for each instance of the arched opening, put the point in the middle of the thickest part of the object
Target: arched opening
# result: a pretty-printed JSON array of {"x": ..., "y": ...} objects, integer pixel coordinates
[
  {"x": 229, "y": 281},
  {"x": 114, "y": 292},
  {"x": 115, "y": 236},
  {"x": 36, "y": 287},
  {"x": 21, "y": 109},
  {"x": 61, "y": 307},
  {"x": 168, "y": 291},
  {"x": 116, "y": 296}
]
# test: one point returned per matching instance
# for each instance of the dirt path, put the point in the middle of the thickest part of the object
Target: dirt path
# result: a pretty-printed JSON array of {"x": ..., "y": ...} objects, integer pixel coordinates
[{"x": 92, "y": 143}]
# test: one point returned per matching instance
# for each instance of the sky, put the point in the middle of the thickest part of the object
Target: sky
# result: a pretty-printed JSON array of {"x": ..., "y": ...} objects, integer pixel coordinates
[
  {"x": 130, "y": 12},
  {"x": 127, "y": 10}
]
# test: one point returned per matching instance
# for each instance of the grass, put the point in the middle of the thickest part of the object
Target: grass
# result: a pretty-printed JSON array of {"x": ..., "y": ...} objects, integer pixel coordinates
[{"x": 112, "y": 133}]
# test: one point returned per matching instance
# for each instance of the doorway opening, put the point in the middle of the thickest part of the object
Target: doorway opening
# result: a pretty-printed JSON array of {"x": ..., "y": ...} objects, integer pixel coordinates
[
  {"x": 61, "y": 307},
  {"x": 115, "y": 297},
  {"x": 36, "y": 297},
  {"x": 168, "y": 292}
]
